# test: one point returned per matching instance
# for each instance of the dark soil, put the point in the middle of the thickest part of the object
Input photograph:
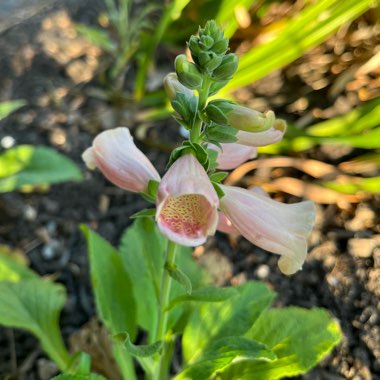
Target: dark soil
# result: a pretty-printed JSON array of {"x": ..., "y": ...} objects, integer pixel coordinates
[{"x": 341, "y": 274}]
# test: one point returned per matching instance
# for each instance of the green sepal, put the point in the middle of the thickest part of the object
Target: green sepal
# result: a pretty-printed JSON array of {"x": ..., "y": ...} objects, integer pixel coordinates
[
  {"x": 185, "y": 106},
  {"x": 177, "y": 275},
  {"x": 146, "y": 213},
  {"x": 218, "y": 190},
  {"x": 151, "y": 193},
  {"x": 221, "y": 134},
  {"x": 218, "y": 176},
  {"x": 190, "y": 147},
  {"x": 216, "y": 114},
  {"x": 213, "y": 157},
  {"x": 140, "y": 351}
]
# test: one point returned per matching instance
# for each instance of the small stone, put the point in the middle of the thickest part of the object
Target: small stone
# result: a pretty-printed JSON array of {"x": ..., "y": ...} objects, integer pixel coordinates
[
  {"x": 362, "y": 248},
  {"x": 364, "y": 219},
  {"x": 30, "y": 213},
  {"x": 263, "y": 271},
  {"x": 51, "y": 250}
]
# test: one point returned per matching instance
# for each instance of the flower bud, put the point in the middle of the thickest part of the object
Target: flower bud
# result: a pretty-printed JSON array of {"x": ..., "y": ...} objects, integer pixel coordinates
[
  {"x": 206, "y": 42},
  {"x": 239, "y": 117},
  {"x": 221, "y": 46},
  {"x": 173, "y": 86},
  {"x": 187, "y": 72},
  {"x": 227, "y": 68},
  {"x": 209, "y": 60},
  {"x": 194, "y": 46}
]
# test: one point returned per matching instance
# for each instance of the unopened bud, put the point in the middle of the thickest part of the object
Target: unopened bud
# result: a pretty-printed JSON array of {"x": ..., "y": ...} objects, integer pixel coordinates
[
  {"x": 194, "y": 46},
  {"x": 249, "y": 120},
  {"x": 227, "y": 68},
  {"x": 173, "y": 86},
  {"x": 240, "y": 117},
  {"x": 206, "y": 42},
  {"x": 209, "y": 60},
  {"x": 221, "y": 46},
  {"x": 187, "y": 72}
]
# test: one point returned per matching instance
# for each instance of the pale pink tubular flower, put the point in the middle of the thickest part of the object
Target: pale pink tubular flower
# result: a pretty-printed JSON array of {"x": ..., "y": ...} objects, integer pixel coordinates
[
  {"x": 270, "y": 136},
  {"x": 187, "y": 203},
  {"x": 225, "y": 225},
  {"x": 231, "y": 155},
  {"x": 114, "y": 153},
  {"x": 276, "y": 227}
]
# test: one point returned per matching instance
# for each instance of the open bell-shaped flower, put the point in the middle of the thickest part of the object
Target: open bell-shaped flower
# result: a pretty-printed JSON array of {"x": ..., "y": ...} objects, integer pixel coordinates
[
  {"x": 115, "y": 154},
  {"x": 274, "y": 226},
  {"x": 187, "y": 203}
]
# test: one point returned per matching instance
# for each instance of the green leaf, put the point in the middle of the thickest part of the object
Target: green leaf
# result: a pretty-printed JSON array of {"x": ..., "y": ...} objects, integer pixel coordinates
[
  {"x": 141, "y": 351},
  {"x": 226, "y": 16},
  {"x": 300, "y": 338},
  {"x": 146, "y": 213},
  {"x": 97, "y": 37},
  {"x": 29, "y": 165},
  {"x": 233, "y": 317},
  {"x": 112, "y": 285},
  {"x": 177, "y": 275},
  {"x": 6, "y": 108},
  {"x": 312, "y": 25},
  {"x": 34, "y": 304},
  {"x": 91, "y": 376},
  {"x": 207, "y": 294},
  {"x": 143, "y": 251},
  {"x": 352, "y": 123},
  {"x": 222, "y": 353},
  {"x": 13, "y": 271},
  {"x": 369, "y": 185}
]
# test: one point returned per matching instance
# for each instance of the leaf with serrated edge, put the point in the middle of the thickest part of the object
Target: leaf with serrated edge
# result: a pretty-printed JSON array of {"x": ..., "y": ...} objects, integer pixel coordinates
[
  {"x": 299, "y": 337},
  {"x": 233, "y": 317}
]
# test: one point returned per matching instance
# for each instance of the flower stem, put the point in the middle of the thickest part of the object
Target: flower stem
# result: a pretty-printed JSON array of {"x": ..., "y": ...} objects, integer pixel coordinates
[
  {"x": 202, "y": 100},
  {"x": 163, "y": 315}
]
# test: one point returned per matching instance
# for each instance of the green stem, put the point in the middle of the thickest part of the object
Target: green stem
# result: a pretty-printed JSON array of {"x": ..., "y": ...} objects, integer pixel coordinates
[
  {"x": 125, "y": 362},
  {"x": 202, "y": 101},
  {"x": 163, "y": 315}
]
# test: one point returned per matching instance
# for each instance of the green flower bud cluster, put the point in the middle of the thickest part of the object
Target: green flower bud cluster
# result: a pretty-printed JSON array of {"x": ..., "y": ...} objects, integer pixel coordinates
[
  {"x": 208, "y": 51},
  {"x": 217, "y": 121}
]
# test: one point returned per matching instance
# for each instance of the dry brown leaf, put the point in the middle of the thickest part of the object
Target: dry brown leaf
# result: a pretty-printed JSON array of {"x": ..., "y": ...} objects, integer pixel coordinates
[
  {"x": 94, "y": 339},
  {"x": 305, "y": 190},
  {"x": 314, "y": 168}
]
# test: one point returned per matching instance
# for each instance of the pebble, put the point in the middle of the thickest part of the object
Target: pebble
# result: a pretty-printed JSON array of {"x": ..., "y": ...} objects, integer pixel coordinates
[
  {"x": 51, "y": 250},
  {"x": 362, "y": 248},
  {"x": 262, "y": 272},
  {"x": 364, "y": 219}
]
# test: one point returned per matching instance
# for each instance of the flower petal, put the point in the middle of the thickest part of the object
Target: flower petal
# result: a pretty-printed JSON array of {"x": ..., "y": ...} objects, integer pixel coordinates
[
  {"x": 270, "y": 136},
  {"x": 187, "y": 203},
  {"x": 276, "y": 227},
  {"x": 114, "y": 153},
  {"x": 232, "y": 155},
  {"x": 225, "y": 225}
]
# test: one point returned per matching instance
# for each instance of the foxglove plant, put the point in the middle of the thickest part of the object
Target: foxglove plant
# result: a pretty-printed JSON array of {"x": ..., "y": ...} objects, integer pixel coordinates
[{"x": 226, "y": 333}]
